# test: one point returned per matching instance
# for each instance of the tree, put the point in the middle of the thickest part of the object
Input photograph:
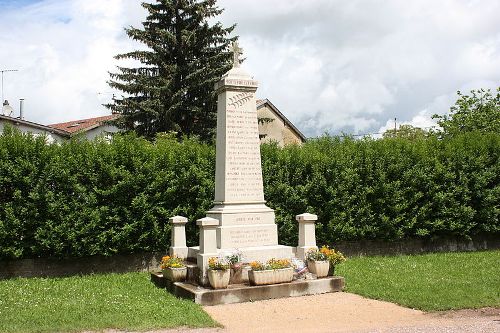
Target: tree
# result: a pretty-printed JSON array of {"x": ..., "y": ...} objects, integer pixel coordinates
[
  {"x": 173, "y": 89},
  {"x": 405, "y": 131},
  {"x": 479, "y": 111}
]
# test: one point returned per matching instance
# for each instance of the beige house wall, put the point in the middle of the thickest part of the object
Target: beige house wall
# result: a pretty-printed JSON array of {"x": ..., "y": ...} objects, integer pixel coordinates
[{"x": 276, "y": 130}]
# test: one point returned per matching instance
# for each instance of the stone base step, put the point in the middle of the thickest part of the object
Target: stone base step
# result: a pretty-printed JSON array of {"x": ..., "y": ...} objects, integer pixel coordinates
[{"x": 238, "y": 293}]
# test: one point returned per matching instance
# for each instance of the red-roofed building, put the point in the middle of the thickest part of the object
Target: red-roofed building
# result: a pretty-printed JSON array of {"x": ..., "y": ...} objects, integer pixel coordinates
[
  {"x": 90, "y": 127},
  {"x": 24, "y": 126},
  {"x": 275, "y": 127}
]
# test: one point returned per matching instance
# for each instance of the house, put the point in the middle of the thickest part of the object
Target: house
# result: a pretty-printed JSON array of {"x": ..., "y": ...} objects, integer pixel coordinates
[
  {"x": 91, "y": 128},
  {"x": 53, "y": 134},
  {"x": 273, "y": 126}
]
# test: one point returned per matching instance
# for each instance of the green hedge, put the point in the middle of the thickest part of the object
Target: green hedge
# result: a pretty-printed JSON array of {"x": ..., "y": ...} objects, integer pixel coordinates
[
  {"x": 86, "y": 198},
  {"x": 387, "y": 189}
]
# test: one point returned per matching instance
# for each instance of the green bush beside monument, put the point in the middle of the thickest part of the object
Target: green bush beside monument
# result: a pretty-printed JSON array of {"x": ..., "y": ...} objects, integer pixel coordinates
[{"x": 97, "y": 198}]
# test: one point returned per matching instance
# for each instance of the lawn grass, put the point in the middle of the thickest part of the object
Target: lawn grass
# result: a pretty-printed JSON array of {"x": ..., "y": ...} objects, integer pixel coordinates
[
  {"x": 430, "y": 282},
  {"x": 94, "y": 302}
]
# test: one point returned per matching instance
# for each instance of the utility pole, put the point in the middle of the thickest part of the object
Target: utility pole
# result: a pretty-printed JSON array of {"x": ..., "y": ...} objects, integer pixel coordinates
[
  {"x": 3, "y": 71},
  {"x": 395, "y": 127}
]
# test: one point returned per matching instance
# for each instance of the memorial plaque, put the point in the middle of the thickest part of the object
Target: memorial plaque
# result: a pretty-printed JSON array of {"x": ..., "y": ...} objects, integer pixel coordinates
[{"x": 247, "y": 236}]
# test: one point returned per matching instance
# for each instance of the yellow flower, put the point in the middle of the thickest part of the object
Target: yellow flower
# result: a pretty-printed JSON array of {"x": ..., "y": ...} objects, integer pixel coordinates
[
  {"x": 256, "y": 265},
  {"x": 168, "y": 261}
]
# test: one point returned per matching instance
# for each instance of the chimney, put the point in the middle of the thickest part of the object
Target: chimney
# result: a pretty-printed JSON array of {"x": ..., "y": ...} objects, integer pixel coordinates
[{"x": 21, "y": 108}]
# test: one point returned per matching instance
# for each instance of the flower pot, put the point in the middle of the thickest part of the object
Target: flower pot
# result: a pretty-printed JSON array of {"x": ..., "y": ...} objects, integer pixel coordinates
[
  {"x": 271, "y": 276},
  {"x": 219, "y": 279},
  {"x": 283, "y": 275},
  {"x": 320, "y": 268},
  {"x": 331, "y": 270},
  {"x": 258, "y": 278},
  {"x": 175, "y": 274}
]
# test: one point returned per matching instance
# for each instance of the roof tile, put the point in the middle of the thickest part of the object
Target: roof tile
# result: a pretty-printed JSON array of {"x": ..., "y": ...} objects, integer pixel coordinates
[{"x": 82, "y": 124}]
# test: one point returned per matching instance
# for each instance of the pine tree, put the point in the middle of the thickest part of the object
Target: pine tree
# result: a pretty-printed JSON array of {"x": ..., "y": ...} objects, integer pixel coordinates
[{"x": 173, "y": 89}]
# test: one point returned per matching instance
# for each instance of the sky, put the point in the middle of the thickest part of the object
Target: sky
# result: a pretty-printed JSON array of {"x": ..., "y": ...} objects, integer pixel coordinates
[{"x": 330, "y": 66}]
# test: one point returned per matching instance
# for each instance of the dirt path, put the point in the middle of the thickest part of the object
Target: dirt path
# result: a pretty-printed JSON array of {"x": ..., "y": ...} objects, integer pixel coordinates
[{"x": 342, "y": 312}]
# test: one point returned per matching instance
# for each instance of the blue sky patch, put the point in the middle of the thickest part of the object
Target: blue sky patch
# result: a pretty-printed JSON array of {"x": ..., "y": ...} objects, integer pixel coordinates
[{"x": 13, "y": 4}]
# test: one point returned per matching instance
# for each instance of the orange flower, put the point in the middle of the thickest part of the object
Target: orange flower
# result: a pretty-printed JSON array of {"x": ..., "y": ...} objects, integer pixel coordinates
[
  {"x": 326, "y": 250},
  {"x": 217, "y": 264},
  {"x": 255, "y": 265},
  {"x": 168, "y": 261}
]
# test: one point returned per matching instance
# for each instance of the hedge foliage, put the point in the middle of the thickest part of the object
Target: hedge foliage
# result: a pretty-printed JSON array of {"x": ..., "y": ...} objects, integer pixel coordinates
[
  {"x": 387, "y": 189},
  {"x": 85, "y": 198}
]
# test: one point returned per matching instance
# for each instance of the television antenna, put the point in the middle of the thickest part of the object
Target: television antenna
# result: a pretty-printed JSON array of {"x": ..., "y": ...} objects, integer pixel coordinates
[{"x": 4, "y": 71}]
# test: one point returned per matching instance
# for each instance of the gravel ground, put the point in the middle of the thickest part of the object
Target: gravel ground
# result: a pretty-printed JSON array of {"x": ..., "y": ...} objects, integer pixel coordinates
[{"x": 343, "y": 312}]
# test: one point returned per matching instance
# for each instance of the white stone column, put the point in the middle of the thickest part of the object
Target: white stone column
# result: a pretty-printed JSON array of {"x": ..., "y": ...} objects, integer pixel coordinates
[
  {"x": 245, "y": 222},
  {"x": 178, "y": 237},
  {"x": 307, "y": 233},
  {"x": 239, "y": 205},
  {"x": 208, "y": 246}
]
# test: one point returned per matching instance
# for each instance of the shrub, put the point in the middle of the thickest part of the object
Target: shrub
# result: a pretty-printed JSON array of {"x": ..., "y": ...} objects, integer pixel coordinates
[
  {"x": 387, "y": 189},
  {"x": 84, "y": 198}
]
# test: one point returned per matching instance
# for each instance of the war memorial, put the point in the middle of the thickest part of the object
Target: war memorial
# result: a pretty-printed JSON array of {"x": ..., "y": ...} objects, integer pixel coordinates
[{"x": 240, "y": 218}]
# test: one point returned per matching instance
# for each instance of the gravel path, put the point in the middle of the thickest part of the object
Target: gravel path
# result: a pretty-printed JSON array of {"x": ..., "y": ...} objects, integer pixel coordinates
[{"x": 342, "y": 312}]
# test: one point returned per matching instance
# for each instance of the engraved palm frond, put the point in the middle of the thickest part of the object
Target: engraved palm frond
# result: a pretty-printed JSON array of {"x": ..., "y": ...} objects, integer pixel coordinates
[{"x": 240, "y": 99}]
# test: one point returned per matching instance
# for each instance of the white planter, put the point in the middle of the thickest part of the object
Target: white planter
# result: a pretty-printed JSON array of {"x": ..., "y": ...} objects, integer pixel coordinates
[
  {"x": 270, "y": 276},
  {"x": 175, "y": 274},
  {"x": 219, "y": 279},
  {"x": 320, "y": 268}
]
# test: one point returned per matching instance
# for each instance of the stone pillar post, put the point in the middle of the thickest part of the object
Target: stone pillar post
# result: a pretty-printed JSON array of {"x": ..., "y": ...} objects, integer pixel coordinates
[
  {"x": 307, "y": 233},
  {"x": 178, "y": 237},
  {"x": 208, "y": 246}
]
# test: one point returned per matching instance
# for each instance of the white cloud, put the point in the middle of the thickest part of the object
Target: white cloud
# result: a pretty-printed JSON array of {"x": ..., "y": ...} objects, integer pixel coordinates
[
  {"x": 378, "y": 60},
  {"x": 63, "y": 50},
  {"x": 421, "y": 120},
  {"x": 331, "y": 66}
]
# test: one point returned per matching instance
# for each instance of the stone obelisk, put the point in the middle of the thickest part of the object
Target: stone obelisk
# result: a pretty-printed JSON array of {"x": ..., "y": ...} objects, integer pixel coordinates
[{"x": 245, "y": 222}]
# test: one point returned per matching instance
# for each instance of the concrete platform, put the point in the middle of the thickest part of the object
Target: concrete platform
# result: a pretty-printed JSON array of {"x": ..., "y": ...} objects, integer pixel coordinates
[{"x": 237, "y": 293}]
